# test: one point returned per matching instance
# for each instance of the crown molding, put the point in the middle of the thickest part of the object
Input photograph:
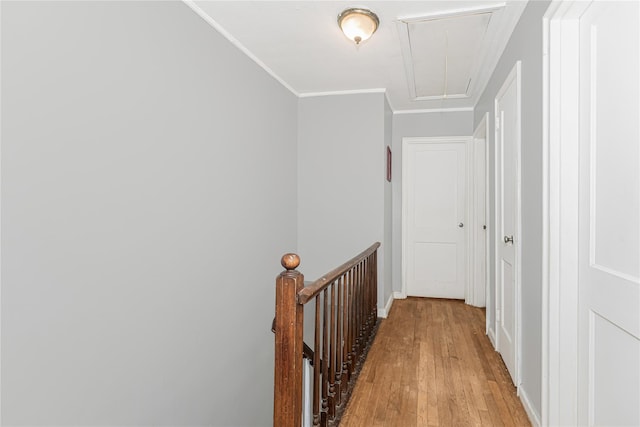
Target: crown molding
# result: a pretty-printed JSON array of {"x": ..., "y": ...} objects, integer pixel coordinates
[
  {"x": 224, "y": 33},
  {"x": 434, "y": 110},
  {"x": 342, "y": 92}
]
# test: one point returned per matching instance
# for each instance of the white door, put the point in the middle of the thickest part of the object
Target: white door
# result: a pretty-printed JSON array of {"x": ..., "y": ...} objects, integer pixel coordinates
[
  {"x": 507, "y": 119},
  {"x": 609, "y": 216},
  {"x": 434, "y": 190}
]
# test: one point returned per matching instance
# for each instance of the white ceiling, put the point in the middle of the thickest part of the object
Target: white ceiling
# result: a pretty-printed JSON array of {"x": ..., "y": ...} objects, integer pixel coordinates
[{"x": 300, "y": 44}]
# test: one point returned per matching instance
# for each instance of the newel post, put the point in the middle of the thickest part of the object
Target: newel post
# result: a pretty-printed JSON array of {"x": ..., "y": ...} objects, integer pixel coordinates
[{"x": 287, "y": 405}]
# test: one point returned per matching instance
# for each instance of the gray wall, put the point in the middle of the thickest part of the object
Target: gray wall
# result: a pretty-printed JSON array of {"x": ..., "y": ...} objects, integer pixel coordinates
[
  {"x": 525, "y": 45},
  {"x": 418, "y": 125},
  {"x": 341, "y": 190},
  {"x": 148, "y": 192}
]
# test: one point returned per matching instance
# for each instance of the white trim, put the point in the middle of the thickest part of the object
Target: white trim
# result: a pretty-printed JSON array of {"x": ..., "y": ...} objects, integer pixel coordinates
[
  {"x": 479, "y": 294},
  {"x": 544, "y": 393},
  {"x": 487, "y": 212},
  {"x": 534, "y": 417},
  {"x": 496, "y": 230},
  {"x": 349, "y": 92},
  {"x": 470, "y": 295},
  {"x": 516, "y": 74},
  {"x": 487, "y": 207},
  {"x": 224, "y": 33},
  {"x": 341, "y": 92},
  {"x": 453, "y": 12},
  {"x": 492, "y": 337},
  {"x": 406, "y": 141},
  {"x": 383, "y": 313},
  {"x": 560, "y": 212},
  {"x": 407, "y": 58},
  {"x": 399, "y": 295},
  {"x": 438, "y": 97},
  {"x": 434, "y": 110},
  {"x": 0, "y": 229}
]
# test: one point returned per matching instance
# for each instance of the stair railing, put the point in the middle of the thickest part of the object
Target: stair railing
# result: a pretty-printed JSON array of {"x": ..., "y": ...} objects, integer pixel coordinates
[{"x": 345, "y": 323}]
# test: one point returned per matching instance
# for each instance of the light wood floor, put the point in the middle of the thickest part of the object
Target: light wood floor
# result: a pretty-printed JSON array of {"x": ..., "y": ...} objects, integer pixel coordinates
[{"x": 431, "y": 364}]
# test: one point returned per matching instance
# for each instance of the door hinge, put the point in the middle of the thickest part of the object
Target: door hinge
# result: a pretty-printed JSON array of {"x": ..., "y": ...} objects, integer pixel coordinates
[
  {"x": 497, "y": 122},
  {"x": 484, "y": 227}
]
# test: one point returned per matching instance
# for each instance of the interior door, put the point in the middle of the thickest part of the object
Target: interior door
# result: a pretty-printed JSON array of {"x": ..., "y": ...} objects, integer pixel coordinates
[
  {"x": 435, "y": 246},
  {"x": 507, "y": 116},
  {"x": 609, "y": 216}
]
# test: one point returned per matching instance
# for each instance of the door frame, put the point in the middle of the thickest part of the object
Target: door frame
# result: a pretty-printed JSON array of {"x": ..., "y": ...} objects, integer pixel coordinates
[
  {"x": 480, "y": 293},
  {"x": 560, "y": 144},
  {"x": 516, "y": 75},
  {"x": 406, "y": 141}
]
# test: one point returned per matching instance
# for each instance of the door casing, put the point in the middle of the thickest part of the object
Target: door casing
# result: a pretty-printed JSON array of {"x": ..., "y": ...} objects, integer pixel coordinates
[
  {"x": 561, "y": 173},
  {"x": 479, "y": 286}
]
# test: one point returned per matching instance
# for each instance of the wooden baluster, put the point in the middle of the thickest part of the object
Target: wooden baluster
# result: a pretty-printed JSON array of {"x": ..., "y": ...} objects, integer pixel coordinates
[
  {"x": 364, "y": 314},
  {"x": 325, "y": 360},
  {"x": 287, "y": 402},
  {"x": 332, "y": 354},
  {"x": 360, "y": 304},
  {"x": 345, "y": 331},
  {"x": 372, "y": 295},
  {"x": 339, "y": 343},
  {"x": 366, "y": 328},
  {"x": 351, "y": 316},
  {"x": 356, "y": 303},
  {"x": 363, "y": 301},
  {"x": 367, "y": 304},
  {"x": 363, "y": 311},
  {"x": 369, "y": 310},
  {"x": 316, "y": 365},
  {"x": 375, "y": 285},
  {"x": 354, "y": 323},
  {"x": 356, "y": 314}
]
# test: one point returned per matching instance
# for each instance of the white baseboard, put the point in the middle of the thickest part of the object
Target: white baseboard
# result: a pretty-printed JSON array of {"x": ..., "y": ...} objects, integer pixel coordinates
[
  {"x": 384, "y": 312},
  {"x": 531, "y": 412},
  {"x": 492, "y": 337},
  {"x": 399, "y": 295}
]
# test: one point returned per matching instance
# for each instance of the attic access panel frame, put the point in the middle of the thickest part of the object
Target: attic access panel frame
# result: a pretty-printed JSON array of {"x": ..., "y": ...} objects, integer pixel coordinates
[{"x": 404, "y": 31}]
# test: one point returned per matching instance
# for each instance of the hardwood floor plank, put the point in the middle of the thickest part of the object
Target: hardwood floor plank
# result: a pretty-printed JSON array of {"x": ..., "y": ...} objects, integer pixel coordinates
[
  {"x": 505, "y": 415},
  {"x": 432, "y": 365}
]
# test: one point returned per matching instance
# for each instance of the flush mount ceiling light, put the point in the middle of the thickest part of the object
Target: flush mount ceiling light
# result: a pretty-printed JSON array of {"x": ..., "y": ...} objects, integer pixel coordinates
[{"x": 358, "y": 24}]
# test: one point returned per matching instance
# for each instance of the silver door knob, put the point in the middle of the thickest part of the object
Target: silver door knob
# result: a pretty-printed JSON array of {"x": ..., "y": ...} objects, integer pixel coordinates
[
  {"x": 460, "y": 225},
  {"x": 508, "y": 239}
]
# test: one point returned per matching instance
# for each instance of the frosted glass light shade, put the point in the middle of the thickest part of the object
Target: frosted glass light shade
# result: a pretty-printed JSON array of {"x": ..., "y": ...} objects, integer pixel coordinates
[{"x": 358, "y": 24}]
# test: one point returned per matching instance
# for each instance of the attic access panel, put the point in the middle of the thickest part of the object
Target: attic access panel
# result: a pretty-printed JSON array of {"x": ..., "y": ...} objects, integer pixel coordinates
[{"x": 442, "y": 53}]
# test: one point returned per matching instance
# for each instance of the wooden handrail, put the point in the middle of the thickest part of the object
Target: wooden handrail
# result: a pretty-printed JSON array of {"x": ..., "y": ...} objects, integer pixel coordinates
[
  {"x": 313, "y": 289},
  {"x": 344, "y": 326}
]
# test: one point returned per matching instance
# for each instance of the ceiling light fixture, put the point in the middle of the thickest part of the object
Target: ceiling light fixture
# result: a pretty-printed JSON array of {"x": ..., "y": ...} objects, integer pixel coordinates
[{"x": 358, "y": 24}]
